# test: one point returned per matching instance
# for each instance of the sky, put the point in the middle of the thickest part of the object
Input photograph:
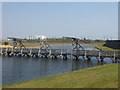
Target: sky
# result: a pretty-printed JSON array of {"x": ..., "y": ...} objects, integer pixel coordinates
[
  {"x": 0, "y": 20},
  {"x": 92, "y": 20}
]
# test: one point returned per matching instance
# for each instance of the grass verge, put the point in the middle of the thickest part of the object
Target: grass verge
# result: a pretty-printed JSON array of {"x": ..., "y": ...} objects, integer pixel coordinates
[
  {"x": 105, "y": 76},
  {"x": 103, "y": 48}
]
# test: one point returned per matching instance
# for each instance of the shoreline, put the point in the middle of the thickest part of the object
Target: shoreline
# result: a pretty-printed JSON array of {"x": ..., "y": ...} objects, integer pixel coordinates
[
  {"x": 37, "y": 46},
  {"x": 63, "y": 80}
]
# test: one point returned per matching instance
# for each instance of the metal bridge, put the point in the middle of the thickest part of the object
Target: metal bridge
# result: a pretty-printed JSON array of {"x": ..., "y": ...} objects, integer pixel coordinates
[{"x": 46, "y": 51}]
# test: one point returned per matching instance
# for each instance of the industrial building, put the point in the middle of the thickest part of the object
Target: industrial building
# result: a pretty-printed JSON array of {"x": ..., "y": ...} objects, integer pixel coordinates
[{"x": 115, "y": 44}]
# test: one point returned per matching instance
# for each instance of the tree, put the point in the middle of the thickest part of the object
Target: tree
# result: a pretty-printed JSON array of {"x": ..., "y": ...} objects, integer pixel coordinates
[{"x": 5, "y": 43}]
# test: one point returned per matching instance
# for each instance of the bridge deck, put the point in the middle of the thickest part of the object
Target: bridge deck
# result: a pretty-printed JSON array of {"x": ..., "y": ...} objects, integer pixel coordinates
[{"x": 63, "y": 52}]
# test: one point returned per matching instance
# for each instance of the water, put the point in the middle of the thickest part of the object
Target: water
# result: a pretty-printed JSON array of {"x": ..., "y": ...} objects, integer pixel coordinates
[
  {"x": 69, "y": 47},
  {"x": 17, "y": 69}
]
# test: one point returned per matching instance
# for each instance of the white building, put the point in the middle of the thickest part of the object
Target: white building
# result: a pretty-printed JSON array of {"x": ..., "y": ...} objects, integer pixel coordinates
[{"x": 42, "y": 37}]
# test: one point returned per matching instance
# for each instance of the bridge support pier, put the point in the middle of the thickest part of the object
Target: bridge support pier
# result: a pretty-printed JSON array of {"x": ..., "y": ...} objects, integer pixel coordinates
[
  {"x": 114, "y": 60},
  {"x": 65, "y": 57},
  {"x": 101, "y": 59},
  {"x": 30, "y": 53},
  {"x": 26, "y": 55},
  {"x": 76, "y": 57},
  {"x": 46, "y": 56},
  {"x": 55, "y": 56},
  {"x": 11, "y": 54},
  {"x": 6, "y": 52},
  {"x": 85, "y": 57},
  {"x": 88, "y": 58}
]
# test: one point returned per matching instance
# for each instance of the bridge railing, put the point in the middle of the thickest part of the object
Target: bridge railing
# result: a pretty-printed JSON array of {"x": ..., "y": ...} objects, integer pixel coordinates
[
  {"x": 117, "y": 54},
  {"x": 92, "y": 53},
  {"x": 53, "y": 51},
  {"x": 78, "y": 52},
  {"x": 96, "y": 53}
]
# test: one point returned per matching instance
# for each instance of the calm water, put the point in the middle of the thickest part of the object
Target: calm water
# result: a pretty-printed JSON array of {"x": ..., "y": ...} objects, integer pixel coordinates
[{"x": 16, "y": 69}]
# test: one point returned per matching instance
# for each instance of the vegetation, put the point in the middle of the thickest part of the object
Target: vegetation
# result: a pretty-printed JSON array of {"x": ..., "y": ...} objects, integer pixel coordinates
[
  {"x": 35, "y": 43},
  {"x": 5, "y": 43},
  {"x": 63, "y": 40},
  {"x": 105, "y": 76},
  {"x": 104, "y": 48}
]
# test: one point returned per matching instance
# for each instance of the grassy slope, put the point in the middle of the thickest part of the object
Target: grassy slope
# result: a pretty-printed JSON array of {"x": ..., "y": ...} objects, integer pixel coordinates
[
  {"x": 105, "y": 76},
  {"x": 103, "y": 48}
]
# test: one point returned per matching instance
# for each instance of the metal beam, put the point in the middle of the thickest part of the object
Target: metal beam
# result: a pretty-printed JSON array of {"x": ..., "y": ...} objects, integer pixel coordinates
[
  {"x": 75, "y": 43},
  {"x": 17, "y": 43},
  {"x": 44, "y": 45}
]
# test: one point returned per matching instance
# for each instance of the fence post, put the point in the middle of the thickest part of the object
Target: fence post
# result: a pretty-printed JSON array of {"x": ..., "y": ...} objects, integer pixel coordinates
[
  {"x": 21, "y": 51},
  {"x": 6, "y": 51},
  {"x": 85, "y": 57},
  {"x": 114, "y": 55},
  {"x": 30, "y": 52},
  {"x": 12, "y": 51},
  {"x": 99, "y": 58},
  {"x": 50, "y": 52}
]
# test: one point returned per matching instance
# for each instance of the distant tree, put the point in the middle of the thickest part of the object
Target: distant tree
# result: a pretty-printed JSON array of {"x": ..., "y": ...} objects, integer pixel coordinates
[
  {"x": 5, "y": 43},
  {"x": 98, "y": 40},
  {"x": 84, "y": 39}
]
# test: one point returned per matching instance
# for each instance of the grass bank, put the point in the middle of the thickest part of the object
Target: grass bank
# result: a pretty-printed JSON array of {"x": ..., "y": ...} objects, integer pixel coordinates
[
  {"x": 105, "y": 76},
  {"x": 103, "y": 48},
  {"x": 37, "y": 44}
]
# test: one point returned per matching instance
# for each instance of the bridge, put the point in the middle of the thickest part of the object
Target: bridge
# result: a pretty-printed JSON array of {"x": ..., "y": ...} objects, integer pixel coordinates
[
  {"x": 61, "y": 53},
  {"x": 46, "y": 51}
]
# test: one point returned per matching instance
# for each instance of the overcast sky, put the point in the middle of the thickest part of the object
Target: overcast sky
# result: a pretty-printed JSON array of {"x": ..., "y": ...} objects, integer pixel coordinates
[{"x": 93, "y": 20}]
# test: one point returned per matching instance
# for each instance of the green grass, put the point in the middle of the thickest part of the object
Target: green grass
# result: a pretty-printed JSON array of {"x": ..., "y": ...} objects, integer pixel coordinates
[
  {"x": 103, "y": 48},
  {"x": 105, "y": 76}
]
